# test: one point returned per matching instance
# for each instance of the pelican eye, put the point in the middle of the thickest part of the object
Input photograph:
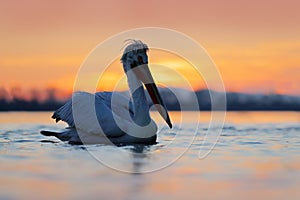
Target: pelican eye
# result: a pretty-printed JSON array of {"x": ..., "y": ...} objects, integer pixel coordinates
[
  {"x": 134, "y": 64},
  {"x": 140, "y": 60}
]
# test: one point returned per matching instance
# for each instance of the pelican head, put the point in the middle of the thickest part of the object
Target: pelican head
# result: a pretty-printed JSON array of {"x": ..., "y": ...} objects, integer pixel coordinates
[{"x": 135, "y": 59}]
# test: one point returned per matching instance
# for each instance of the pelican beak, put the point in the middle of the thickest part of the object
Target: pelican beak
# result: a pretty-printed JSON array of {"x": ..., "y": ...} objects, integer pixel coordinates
[{"x": 144, "y": 74}]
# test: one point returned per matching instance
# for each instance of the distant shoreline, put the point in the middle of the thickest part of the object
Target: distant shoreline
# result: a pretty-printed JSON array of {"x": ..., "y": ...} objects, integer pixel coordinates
[{"x": 235, "y": 102}]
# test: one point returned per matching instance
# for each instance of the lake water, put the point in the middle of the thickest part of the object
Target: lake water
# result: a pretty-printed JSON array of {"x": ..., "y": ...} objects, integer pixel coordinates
[{"x": 257, "y": 157}]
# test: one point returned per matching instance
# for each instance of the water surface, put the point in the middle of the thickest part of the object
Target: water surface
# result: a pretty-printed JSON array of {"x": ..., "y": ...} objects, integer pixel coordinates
[{"x": 256, "y": 157}]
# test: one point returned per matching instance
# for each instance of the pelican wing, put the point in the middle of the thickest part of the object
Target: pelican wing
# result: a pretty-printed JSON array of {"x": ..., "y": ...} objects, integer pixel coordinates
[
  {"x": 64, "y": 113},
  {"x": 120, "y": 100},
  {"x": 103, "y": 121}
]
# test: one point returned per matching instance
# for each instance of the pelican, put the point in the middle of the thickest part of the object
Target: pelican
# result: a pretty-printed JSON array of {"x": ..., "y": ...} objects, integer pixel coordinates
[{"x": 113, "y": 117}]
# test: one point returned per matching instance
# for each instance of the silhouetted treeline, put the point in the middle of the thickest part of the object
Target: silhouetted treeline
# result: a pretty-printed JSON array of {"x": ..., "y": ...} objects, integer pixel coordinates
[
  {"x": 17, "y": 99},
  {"x": 28, "y": 105},
  {"x": 235, "y": 101}
]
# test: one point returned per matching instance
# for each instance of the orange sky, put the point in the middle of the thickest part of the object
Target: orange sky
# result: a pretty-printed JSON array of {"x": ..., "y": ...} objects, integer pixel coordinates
[{"x": 255, "y": 44}]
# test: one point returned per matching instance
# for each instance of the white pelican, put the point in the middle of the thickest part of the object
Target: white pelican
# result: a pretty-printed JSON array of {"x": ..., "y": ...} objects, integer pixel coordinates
[{"x": 121, "y": 121}]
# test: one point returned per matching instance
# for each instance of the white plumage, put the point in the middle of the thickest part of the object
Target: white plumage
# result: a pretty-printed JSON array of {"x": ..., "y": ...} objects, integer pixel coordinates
[{"x": 106, "y": 117}]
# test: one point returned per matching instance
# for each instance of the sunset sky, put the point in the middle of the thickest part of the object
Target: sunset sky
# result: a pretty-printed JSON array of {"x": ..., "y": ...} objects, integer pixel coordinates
[{"x": 255, "y": 44}]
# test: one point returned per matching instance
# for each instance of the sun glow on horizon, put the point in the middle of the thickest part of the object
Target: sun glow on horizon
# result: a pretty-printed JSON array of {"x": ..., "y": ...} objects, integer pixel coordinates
[
  {"x": 168, "y": 70},
  {"x": 255, "y": 49}
]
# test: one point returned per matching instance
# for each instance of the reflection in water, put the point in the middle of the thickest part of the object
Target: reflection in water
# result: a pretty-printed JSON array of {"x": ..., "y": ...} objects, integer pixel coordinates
[
  {"x": 138, "y": 157},
  {"x": 138, "y": 183}
]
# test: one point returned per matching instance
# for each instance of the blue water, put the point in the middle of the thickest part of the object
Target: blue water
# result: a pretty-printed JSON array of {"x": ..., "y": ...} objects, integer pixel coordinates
[{"x": 256, "y": 158}]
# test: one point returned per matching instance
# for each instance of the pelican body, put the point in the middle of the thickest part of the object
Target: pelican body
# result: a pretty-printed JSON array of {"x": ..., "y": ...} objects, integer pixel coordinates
[{"x": 110, "y": 117}]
